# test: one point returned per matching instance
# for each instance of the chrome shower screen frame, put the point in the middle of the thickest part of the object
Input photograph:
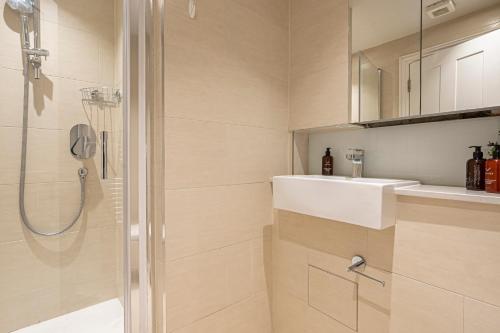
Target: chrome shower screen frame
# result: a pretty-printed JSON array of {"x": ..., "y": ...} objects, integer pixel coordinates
[{"x": 143, "y": 107}]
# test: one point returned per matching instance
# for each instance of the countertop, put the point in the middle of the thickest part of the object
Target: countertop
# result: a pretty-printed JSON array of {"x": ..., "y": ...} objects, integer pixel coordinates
[{"x": 449, "y": 193}]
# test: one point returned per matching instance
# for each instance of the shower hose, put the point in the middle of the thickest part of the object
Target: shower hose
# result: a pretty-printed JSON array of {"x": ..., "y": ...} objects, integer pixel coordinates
[{"x": 82, "y": 172}]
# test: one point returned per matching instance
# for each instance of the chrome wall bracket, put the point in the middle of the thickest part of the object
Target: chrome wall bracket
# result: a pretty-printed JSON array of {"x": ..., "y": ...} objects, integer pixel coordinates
[{"x": 358, "y": 262}]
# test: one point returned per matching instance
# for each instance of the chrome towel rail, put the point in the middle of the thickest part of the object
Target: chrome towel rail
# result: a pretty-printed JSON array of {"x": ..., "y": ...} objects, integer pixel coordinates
[{"x": 359, "y": 262}]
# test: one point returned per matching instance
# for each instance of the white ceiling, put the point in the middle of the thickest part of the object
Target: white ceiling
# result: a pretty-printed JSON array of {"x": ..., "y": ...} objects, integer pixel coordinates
[{"x": 375, "y": 22}]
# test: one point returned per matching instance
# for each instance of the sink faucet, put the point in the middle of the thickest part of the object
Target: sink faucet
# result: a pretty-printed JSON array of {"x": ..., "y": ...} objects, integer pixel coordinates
[{"x": 356, "y": 155}]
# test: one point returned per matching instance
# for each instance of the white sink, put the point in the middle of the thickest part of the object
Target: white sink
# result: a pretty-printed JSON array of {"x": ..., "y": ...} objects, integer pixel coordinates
[{"x": 367, "y": 202}]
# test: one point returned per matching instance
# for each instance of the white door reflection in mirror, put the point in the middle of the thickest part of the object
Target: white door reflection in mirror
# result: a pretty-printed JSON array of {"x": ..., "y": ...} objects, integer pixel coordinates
[{"x": 455, "y": 76}]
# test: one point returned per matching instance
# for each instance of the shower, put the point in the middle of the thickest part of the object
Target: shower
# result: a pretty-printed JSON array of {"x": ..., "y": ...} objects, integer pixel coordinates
[
  {"x": 32, "y": 55},
  {"x": 81, "y": 146}
]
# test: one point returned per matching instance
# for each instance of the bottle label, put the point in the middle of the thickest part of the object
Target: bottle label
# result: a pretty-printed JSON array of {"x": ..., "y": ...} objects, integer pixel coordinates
[{"x": 327, "y": 168}]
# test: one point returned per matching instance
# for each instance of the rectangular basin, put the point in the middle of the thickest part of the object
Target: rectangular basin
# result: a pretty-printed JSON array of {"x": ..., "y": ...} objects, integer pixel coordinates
[{"x": 367, "y": 202}]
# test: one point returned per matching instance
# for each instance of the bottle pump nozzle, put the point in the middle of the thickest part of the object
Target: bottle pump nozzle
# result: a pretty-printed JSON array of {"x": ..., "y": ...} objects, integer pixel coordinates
[{"x": 478, "y": 154}]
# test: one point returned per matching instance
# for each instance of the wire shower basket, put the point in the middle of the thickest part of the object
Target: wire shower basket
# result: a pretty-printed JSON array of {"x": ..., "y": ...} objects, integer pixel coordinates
[
  {"x": 100, "y": 101},
  {"x": 103, "y": 97}
]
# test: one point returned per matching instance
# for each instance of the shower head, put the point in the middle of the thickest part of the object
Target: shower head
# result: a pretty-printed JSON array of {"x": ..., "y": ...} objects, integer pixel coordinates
[{"x": 24, "y": 7}]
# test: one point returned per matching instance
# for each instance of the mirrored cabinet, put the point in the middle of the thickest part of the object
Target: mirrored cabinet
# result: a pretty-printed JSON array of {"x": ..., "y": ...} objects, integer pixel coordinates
[{"x": 415, "y": 59}]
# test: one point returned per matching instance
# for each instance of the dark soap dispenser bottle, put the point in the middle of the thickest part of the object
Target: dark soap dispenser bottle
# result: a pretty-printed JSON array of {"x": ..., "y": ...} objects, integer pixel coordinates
[
  {"x": 327, "y": 163},
  {"x": 476, "y": 170}
]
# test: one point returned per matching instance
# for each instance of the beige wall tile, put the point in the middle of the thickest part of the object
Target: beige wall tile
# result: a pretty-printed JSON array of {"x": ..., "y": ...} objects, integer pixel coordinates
[
  {"x": 380, "y": 248},
  {"x": 29, "y": 265},
  {"x": 318, "y": 322},
  {"x": 77, "y": 296},
  {"x": 11, "y": 97},
  {"x": 55, "y": 103},
  {"x": 51, "y": 206},
  {"x": 290, "y": 269},
  {"x": 480, "y": 317},
  {"x": 78, "y": 55},
  {"x": 439, "y": 243},
  {"x": 312, "y": 103},
  {"x": 256, "y": 154},
  {"x": 88, "y": 256},
  {"x": 196, "y": 153},
  {"x": 48, "y": 157},
  {"x": 288, "y": 312},
  {"x": 374, "y": 302},
  {"x": 334, "y": 296},
  {"x": 248, "y": 316},
  {"x": 244, "y": 51},
  {"x": 262, "y": 264},
  {"x": 223, "y": 215},
  {"x": 74, "y": 271},
  {"x": 10, "y": 226},
  {"x": 319, "y": 53},
  {"x": 90, "y": 16},
  {"x": 28, "y": 308},
  {"x": 331, "y": 263},
  {"x": 226, "y": 135},
  {"x": 201, "y": 285},
  {"x": 209, "y": 153},
  {"x": 341, "y": 239},
  {"x": 319, "y": 35},
  {"x": 418, "y": 307},
  {"x": 264, "y": 46},
  {"x": 77, "y": 49}
]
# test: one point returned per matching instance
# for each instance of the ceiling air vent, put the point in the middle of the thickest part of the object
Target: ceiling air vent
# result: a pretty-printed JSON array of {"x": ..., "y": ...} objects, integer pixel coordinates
[{"x": 440, "y": 8}]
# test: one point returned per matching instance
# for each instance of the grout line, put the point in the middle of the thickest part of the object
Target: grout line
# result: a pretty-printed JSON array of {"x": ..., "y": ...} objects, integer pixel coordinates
[
  {"x": 58, "y": 76},
  {"x": 275, "y": 129},
  {"x": 215, "y": 312},
  {"x": 447, "y": 290},
  {"x": 72, "y": 233},
  {"x": 213, "y": 186},
  {"x": 247, "y": 240},
  {"x": 36, "y": 128},
  {"x": 55, "y": 182}
]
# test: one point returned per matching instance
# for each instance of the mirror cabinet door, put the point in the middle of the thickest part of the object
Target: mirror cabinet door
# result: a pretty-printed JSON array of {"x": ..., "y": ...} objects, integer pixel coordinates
[
  {"x": 385, "y": 55},
  {"x": 460, "y": 55},
  {"x": 419, "y": 58}
]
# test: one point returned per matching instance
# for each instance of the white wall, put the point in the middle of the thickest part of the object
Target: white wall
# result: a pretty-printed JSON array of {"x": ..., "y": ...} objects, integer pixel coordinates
[{"x": 434, "y": 153}]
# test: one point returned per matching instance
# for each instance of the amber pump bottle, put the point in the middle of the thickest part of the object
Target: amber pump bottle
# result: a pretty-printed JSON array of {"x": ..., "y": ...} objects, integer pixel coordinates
[
  {"x": 475, "y": 171},
  {"x": 327, "y": 163},
  {"x": 492, "y": 173}
]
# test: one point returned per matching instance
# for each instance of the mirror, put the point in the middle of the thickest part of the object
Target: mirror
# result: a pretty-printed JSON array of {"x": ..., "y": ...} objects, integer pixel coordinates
[
  {"x": 382, "y": 32},
  {"x": 460, "y": 55},
  {"x": 423, "y": 58}
]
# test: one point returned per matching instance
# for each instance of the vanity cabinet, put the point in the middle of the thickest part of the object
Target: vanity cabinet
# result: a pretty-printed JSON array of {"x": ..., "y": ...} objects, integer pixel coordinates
[{"x": 439, "y": 263}]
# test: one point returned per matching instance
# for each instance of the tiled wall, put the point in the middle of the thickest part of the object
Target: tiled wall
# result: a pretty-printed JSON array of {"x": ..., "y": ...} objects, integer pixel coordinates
[
  {"x": 439, "y": 263},
  {"x": 433, "y": 153},
  {"x": 319, "y": 63},
  {"x": 226, "y": 135},
  {"x": 45, "y": 277},
  {"x": 313, "y": 292},
  {"x": 446, "y": 276}
]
